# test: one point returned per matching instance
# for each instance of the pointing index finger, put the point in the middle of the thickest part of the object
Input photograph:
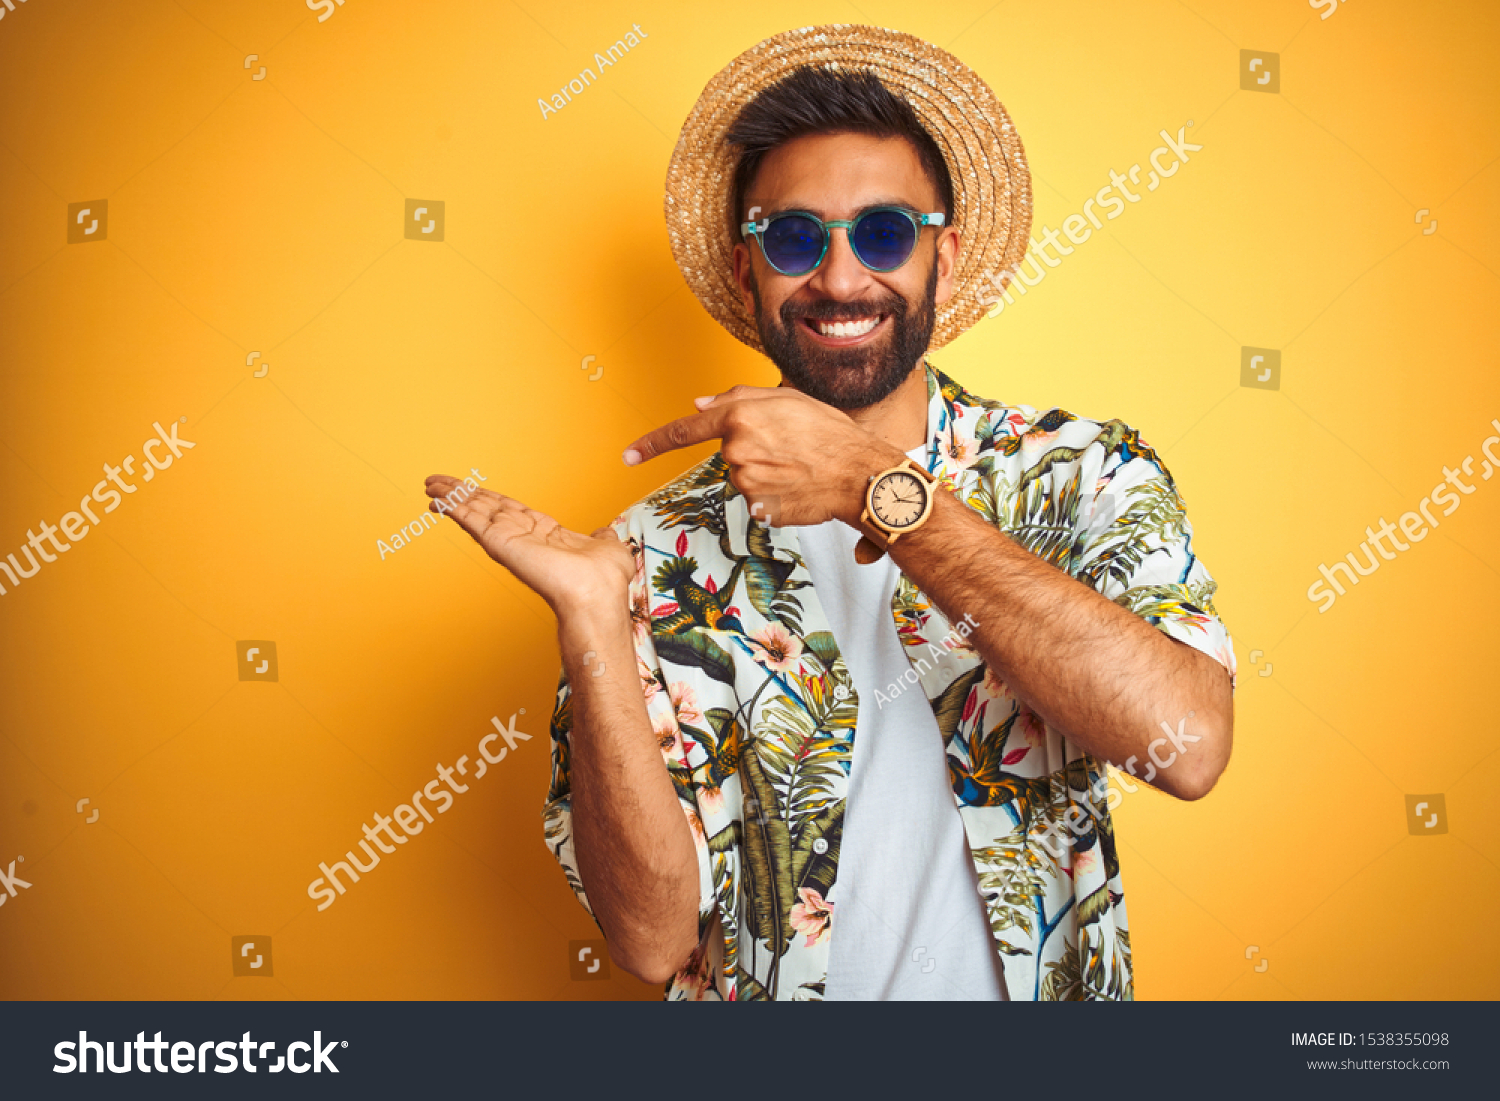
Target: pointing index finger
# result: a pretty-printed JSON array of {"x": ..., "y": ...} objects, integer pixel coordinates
[
  {"x": 683, "y": 432},
  {"x": 708, "y": 424}
]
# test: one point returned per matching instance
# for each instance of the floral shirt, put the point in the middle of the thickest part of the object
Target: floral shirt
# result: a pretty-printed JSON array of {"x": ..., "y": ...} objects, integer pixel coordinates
[{"x": 756, "y": 712}]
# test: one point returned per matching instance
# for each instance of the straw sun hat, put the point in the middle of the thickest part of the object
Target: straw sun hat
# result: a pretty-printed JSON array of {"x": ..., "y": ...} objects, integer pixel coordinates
[{"x": 991, "y": 184}]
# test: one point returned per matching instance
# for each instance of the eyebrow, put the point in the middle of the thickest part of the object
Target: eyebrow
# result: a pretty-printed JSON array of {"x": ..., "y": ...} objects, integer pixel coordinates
[{"x": 821, "y": 213}]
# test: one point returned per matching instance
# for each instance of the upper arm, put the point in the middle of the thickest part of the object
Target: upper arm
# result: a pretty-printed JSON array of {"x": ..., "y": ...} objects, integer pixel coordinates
[{"x": 1137, "y": 550}]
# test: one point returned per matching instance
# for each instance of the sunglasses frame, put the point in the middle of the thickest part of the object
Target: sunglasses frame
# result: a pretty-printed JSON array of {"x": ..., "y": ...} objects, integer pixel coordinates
[{"x": 917, "y": 219}]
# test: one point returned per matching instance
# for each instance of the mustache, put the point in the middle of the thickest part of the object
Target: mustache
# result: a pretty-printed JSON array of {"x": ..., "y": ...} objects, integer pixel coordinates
[{"x": 830, "y": 310}]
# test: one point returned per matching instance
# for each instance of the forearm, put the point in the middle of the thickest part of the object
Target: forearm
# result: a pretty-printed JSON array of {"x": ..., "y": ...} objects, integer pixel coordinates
[
  {"x": 1094, "y": 671},
  {"x": 634, "y": 847}
]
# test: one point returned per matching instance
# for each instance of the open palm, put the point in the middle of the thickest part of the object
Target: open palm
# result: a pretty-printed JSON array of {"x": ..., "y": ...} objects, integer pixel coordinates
[{"x": 558, "y": 564}]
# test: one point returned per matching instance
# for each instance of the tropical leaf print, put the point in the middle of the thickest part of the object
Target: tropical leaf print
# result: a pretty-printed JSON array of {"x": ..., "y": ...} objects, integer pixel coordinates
[
  {"x": 1094, "y": 906},
  {"x": 1044, "y": 520},
  {"x": 767, "y": 856},
  {"x": 803, "y": 762},
  {"x": 1153, "y": 520},
  {"x": 992, "y": 490},
  {"x": 749, "y": 987},
  {"x": 912, "y": 611},
  {"x": 697, "y": 650},
  {"x": 816, "y": 771},
  {"x": 1090, "y": 969},
  {"x": 823, "y": 647},
  {"x": 1064, "y": 981},
  {"x": 1122, "y": 981},
  {"x": 769, "y": 582},
  {"x": 953, "y": 706},
  {"x": 695, "y": 500},
  {"x": 1155, "y": 602},
  {"x": 557, "y": 833},
  {"x": 1011, "y": 877}
]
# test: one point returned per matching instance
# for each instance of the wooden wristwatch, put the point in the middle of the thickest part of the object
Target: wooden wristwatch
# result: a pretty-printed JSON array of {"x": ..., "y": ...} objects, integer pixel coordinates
[{"x": 897, "y": 501}]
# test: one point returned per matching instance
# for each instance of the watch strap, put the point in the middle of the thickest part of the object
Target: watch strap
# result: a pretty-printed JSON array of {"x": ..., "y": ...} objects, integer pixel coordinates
[{"x": 867, "y": 551}]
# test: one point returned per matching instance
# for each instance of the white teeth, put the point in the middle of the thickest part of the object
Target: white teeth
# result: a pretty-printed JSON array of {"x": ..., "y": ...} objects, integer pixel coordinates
[{"x": 848, "y": 328}]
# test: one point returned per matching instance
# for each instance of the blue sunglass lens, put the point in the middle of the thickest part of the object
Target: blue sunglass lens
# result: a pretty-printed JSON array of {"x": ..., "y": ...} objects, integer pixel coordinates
[
  {"x": 793, "y": 243},
  {"x": 883, "y": 239}
]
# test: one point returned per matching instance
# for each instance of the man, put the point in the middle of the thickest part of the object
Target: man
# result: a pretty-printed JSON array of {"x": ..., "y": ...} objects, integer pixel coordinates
[{"x": 835, "y": 702}]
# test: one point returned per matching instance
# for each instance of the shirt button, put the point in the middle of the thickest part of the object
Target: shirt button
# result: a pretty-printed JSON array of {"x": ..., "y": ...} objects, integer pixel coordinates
[
  {"x": 820, "y": 846},
  {"x": 840, "y": 693}
]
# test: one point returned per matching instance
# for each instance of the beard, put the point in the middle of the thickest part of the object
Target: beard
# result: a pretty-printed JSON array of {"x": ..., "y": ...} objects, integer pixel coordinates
[{"x": 849, "y": 378}]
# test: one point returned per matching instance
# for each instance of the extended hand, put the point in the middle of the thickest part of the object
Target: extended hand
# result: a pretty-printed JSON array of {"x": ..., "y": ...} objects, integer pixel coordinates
[
  {"x": 805, "y": 461},
  {"x": 563, "y": 567}
]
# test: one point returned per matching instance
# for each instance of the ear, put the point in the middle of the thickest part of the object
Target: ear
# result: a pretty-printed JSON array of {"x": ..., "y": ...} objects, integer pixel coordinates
[
  {"x": 948, "y": 242},
  {"x": 743, "y": 275}
]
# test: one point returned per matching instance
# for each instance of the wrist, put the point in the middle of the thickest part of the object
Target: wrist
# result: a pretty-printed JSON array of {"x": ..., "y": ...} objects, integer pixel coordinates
[
  {"x": 862, "y": 465},
  {"x": 594, "y": 614}
]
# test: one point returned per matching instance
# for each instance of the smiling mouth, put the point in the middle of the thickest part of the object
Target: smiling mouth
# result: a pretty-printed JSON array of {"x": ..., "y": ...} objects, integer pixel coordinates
[{"x": 841, "y": 333}]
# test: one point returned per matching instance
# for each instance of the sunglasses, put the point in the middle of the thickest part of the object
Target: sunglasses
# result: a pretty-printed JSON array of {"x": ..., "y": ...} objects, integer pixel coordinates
[{"x": 883, "y": 238}]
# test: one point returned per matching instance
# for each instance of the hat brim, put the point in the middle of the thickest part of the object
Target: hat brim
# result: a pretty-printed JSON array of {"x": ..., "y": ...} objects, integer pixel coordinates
[{"x": 991, "y": 183}]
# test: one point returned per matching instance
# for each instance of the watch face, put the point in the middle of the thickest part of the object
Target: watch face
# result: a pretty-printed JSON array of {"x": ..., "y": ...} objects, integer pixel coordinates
[{"x": 898, "y": 499}]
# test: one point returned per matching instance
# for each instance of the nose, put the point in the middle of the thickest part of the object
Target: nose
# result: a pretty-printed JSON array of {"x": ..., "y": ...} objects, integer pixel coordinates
[{"x": 840, "y": 276}]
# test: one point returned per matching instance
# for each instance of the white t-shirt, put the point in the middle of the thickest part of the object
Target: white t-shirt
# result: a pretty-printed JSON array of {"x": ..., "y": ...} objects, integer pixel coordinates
[{"x": 909, "y": 919}]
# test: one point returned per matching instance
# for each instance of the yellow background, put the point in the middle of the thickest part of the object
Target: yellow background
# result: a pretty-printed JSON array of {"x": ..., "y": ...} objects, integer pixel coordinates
[{"x": 266, "y": 215}]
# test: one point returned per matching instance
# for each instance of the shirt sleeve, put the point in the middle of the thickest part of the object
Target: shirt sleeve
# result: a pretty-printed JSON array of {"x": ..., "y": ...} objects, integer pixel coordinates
[
  {"x": 557, "y": 811},
  {"x": 1137, "y": 545}
]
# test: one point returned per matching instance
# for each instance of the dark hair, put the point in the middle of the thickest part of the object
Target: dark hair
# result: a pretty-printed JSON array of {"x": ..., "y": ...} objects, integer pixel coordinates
[{"x": 813, "y": 100}]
